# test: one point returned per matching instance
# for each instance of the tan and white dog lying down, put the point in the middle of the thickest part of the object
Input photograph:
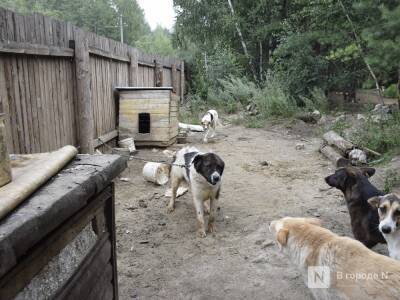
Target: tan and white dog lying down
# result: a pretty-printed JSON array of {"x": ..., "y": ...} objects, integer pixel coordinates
[{"x": 355, "y": 271}]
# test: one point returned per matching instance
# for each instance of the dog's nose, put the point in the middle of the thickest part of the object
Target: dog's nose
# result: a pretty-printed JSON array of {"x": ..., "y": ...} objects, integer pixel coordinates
[
  {"x": 386, "y": 229},
  {"x": 216, "y": 178}
]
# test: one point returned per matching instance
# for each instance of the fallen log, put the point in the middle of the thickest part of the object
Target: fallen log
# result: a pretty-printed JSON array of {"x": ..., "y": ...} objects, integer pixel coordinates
[
  {"x": 338, "y": 160},
  {"x": 191, "y": 127},
  {"x": 333, "y": 139}
]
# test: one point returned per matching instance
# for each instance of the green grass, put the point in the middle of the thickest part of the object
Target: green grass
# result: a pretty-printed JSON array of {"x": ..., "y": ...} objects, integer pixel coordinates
[
  {"x": 382, "y": 137},
  {"x": 392, "y": 180}
]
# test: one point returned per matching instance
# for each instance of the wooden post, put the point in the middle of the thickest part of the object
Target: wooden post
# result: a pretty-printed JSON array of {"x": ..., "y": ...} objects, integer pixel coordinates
[
  {"x": 133, "y": 66},
  {"x": 84, "y": 98},
  {"x": 174, "y": 78},
  {"x": 182, "y": 91},
  {"x": 158, "y": 74}
]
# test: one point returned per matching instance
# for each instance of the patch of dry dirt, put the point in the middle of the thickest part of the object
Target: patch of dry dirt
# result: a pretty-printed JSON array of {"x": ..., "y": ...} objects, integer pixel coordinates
[{"x": 159, "y": 255}]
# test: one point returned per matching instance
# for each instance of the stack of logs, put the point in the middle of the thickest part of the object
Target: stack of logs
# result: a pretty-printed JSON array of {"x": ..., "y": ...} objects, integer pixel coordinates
[{"x": 337, "y": 149}]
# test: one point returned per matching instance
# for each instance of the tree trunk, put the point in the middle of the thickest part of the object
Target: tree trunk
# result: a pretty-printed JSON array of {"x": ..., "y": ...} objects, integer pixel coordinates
[
  {"x": 244, "y": 46},
  {"x": 333, "y": 139},
  {"x": 260, "y": 61},
  {"x": 398, "y": 87},
  {"x": 330, "y": 153},
  {"x": 358, "y": 43}
]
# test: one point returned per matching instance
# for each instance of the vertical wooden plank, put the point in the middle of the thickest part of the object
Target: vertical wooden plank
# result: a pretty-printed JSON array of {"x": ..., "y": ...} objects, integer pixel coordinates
[
  {"x": 174, "y": 78},
  {"x": 11, "y": 103},
  {"x": 3, "y": 25},
  {"x": 61, "y": 97},
  {"x": 84, "y": 98},
  {"x": 20, "y": 84},
  {"x": 4, "y": 105},
  {"x": 43, "y": 88},
  {"x": 93, "y": 84},
  {"x": 158, "y": 73},
  {"x": 35, "y": 88},
  {"x": 10, "y": 25},
  {"x": 17, "y": 104},
  {"x": 30, "y": 103}
]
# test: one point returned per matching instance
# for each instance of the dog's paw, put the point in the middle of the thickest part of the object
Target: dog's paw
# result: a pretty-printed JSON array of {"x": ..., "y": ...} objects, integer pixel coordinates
[
  {"x": 170, "y": 209},
  {"x": 211, "y": 228},
  {"x": 201, "y": 233}
]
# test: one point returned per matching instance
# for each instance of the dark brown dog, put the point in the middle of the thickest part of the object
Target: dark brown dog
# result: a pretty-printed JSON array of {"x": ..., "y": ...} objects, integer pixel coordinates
[{"x": 357, "y": 189}]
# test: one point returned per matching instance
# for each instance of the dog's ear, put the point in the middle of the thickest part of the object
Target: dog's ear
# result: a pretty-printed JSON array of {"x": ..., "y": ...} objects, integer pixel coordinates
[
  {"x": 282, "y": 236},
  {"x": 369, "y": 172},
  {"x": 197, "y": 162},
  {"x": 374, "y": 201},
  {"x": 313, "y": 221}
]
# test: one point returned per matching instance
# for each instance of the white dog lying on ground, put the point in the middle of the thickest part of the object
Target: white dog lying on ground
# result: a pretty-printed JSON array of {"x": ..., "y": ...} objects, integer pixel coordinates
[{"x": 210, "y": 121}]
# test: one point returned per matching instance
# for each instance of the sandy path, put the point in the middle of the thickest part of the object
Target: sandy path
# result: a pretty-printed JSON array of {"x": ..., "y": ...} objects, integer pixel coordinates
[{"x": 159, "y": 255}]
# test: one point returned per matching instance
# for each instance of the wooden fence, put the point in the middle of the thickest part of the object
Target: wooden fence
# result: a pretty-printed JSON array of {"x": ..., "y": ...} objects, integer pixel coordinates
[{"x": 57, "y": 81}]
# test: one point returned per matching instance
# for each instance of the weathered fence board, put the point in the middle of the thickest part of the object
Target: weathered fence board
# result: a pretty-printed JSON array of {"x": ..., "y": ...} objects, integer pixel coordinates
[{"x": 47, "y": 104}]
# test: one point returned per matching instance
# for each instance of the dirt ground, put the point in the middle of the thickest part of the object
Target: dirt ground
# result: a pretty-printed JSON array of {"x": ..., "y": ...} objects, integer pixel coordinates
[{"x": 159, "y": 254}]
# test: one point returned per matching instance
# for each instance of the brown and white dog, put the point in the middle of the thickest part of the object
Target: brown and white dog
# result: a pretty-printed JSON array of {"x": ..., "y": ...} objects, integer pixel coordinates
[
  {"x": 209, "y": 122},
  {"x": 203, "y": 172},
  {"x": 357, "y": 189},
  {"x": 389, "y": 221},
  {"x": 354, "y": 271}
]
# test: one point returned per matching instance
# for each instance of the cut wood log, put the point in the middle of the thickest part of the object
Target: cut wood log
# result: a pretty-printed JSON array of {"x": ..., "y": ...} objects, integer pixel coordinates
[
  {"x": 333, "y": 139},
  {"x": 191, "y": 127},
  {"x": 337, "y": 159},
  {"x": 29, "y": 173}
]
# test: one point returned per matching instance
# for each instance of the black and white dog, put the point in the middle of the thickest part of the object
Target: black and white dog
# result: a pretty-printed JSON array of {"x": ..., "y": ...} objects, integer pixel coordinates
[
  {"x": 209, "y": 122},
  {"x": 389, "y": 221},
  {"x": 203, "y": 172}
]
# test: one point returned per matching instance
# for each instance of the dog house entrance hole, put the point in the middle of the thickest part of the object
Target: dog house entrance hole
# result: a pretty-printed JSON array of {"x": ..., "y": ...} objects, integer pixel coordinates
[{"x": 144, "y": 123}]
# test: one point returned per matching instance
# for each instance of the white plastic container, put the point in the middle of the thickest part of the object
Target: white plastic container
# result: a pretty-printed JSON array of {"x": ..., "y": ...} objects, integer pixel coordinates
[
  {"x": 128, "y": 143},
  {"x": 157, "y": 173}
]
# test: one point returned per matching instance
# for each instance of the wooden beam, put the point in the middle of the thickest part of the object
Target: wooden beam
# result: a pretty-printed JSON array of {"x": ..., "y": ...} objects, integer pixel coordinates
[
  {"x": 102, "y": 53},
  {"x": 174, "y": 78},
  {"x": 35, "y": 49},
  {"x": 105, "y": 138},
  {"x": 39, "y": 256},
  {"x": 133, "y": 66},
  {"x": 146, "y": 64},
  {"x": 158, "y": 74},
  {"x": 84, "y": 99}
]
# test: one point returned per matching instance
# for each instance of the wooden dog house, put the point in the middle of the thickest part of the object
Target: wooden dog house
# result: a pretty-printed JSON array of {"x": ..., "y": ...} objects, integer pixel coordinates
[{"x": 149, "y": 115}]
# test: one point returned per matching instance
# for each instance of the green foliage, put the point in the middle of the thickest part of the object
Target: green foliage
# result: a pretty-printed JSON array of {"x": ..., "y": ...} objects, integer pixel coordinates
[
  {"x": 383, "y": 38},
  {"x": 392, "y": 180},
  {"x": 254, "y": 122},
  {"x": 156, "y": 42},
  {"x": 306, "y": 44},
  {"x": 340, "y": 126},
  {"x": 316, "y": 101},
  {"x": 380, "y": 136},
  {"x": 391, "y": 91},
  {"x": 272, "y": 100},
  {"x": 99, "y": 16},
  {"x": 235, "y": 89}
]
